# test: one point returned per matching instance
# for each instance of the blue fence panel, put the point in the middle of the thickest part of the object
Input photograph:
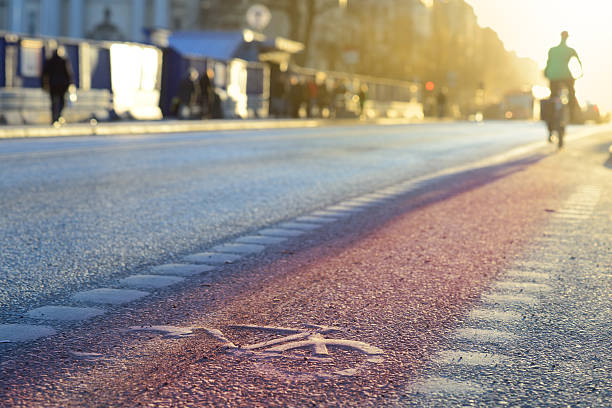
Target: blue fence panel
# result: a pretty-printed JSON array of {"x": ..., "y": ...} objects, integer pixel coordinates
[
  {"x": 174, "y": 69},
  {"x": 100, "y": 68},
  {"x": 255, "y": 81},
  {"x": 28, "y": 70},
  {"x": 72, "y": 55},
  {"x": 2, "y": 62}
]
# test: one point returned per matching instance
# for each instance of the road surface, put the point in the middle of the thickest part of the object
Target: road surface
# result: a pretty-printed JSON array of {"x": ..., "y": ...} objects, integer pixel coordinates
[{"x": 441, "y": 277}]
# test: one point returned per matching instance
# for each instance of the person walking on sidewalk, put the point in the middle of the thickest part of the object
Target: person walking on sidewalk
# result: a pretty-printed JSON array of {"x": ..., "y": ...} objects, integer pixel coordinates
[{"x": 57, "y": 79}]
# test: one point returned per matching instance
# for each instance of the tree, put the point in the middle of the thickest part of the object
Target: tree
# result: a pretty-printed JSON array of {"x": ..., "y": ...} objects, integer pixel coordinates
[{"x": 302, "y": 16}]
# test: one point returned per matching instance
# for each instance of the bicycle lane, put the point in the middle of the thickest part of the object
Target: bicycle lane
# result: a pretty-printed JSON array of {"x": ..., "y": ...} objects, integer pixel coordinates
[{"x": 347, "y": 316}]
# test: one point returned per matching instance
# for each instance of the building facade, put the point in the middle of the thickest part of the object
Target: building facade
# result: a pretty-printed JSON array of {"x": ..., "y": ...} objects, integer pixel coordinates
[{"x": 124, "y": 20}]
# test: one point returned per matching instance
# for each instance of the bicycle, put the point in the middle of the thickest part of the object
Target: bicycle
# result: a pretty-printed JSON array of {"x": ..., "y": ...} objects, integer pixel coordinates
[{"x": 556, "y": 113}]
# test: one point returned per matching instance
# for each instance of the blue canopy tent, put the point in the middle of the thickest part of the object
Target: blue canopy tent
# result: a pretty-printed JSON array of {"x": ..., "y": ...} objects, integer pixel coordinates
[{"x": 227, "y": 53}]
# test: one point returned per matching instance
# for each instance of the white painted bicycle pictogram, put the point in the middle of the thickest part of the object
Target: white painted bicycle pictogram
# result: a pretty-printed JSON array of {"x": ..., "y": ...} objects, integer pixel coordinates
[{"x": 311, "y": 337}]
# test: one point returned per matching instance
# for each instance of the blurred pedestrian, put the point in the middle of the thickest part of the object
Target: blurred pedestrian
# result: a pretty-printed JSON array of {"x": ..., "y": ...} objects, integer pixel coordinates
[
  {"x": 278, "y": 96},
  {"x": 337, "y": 100},
  {"x": 295, "y": 97},
  {"x": 323, "y": 99},
  {"x": 207, "y": 94},
  {"x": 57, "y": 78},
  {"x": 188, "y": 95},
  {"x": 441, "y": 101},
  {"x": 312, "y": 93},
  {"x": 363, "y": 96}
]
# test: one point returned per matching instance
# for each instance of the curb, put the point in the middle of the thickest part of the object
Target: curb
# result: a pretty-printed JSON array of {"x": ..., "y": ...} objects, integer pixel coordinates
[{"x": 177, "y": 126}]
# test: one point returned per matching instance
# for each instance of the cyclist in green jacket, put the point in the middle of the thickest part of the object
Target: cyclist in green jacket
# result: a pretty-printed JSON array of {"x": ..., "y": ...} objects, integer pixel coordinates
[{"x": 558, "y": 72}]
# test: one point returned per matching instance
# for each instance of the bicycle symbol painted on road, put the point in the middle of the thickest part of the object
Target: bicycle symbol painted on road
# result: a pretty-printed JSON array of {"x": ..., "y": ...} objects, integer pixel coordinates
[
  {"x": 292, "y": 340},
  {"x": 311, "y": 338}
]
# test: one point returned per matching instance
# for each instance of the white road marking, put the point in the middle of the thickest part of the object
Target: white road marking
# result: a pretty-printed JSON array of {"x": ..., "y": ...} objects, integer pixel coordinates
[
  {"x": 88, "y": 356},
  {"x": 239, "y": 248},
  {"x": 380, "y": 196},
  {"x": 523, "y": 286},
  {"x": 572, "y": 217},
  {"x": 576, "y": 211},
  {"x": 109, "y": 296},
  {"x": 260, "y": 239},
  {"x": 357, "y": 204},
  {"x": 17, "y": 333},
  {"x": 64, "y": 313},
  {"x": 495, "y": 315},
  {"x": 497, "y": 298},
  {"x": 538, "y": 265},
  {"x": 440, "y": 385},
  {"x": 528, "y": 275},
  {"x": 181, "y": 269},
  {"x": 278, "y": 232},
  {"x": 317, "y": 220},
  {"x": 344, "y": 208},
  {"x": 300, "y": 226},
  {"x": 333, "y": 214},
  {"x": 214, "y": 258},
  {"x": 168, "y": 331},
  {"x": 311, "y": 337},
  {"x": 484, "y": 336},
  {"x": 150, "y": 281},
  {"x": 470, "y": 358}
]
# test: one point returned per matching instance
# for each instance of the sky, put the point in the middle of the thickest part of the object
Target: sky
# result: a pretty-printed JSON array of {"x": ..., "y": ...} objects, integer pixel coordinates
[{"x": 531, "y": 27}]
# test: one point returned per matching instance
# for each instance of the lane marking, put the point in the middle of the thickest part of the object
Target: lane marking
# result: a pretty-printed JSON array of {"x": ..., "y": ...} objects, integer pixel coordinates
[
  {"x": 18, "y": 333},
  {"x": 64, "y": 313},
  {"x": 382, "y": 197},
  {"x": 184, "y": 270},
  {"x": 312, "y": 219},
  {"x": 484, "y": 335},
  {"x": 260, "y": 239},
  {"x": 239, "y": 248},
  {"x": 522, "y": 286},
  {"x": 109, "y": 296},
  {"x": 85, "y": 356},
  {"x": 278, "y": 232},
  {"x": 538, "y": 265},
  {"x": 357, "y": 204},
  {"x": 333, "y": 214},
  {"x": 300, "y": 226},
  {"x": 495, "y": 315},
  {"x": 344, "y": 208},
  {"x": 168, "y": 331},
  {"x": 215, "y": 258},
  {"x": 500, "y": 299},
  {"x": 528, "y": 275},
  {"x": 150, "y": 281},
  {"x": 470, "y": 358},
  {"x": 574, "y": 211}
]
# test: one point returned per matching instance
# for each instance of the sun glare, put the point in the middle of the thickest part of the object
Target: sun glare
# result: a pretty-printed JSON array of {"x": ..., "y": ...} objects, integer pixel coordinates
[{"x": 531, "y": 27}]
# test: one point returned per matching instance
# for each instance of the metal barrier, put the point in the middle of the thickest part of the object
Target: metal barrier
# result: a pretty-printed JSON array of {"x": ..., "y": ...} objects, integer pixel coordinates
[{"x": 109, "y": 77}]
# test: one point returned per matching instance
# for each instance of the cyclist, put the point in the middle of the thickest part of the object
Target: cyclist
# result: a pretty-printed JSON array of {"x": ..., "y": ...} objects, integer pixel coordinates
[{"x": 558, "y": 71}]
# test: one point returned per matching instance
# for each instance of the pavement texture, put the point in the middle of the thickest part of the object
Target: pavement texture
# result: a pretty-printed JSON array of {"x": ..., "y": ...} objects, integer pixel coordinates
[
  {"x": 84, "y": 212},
  {"x": 370, "y": 303}
]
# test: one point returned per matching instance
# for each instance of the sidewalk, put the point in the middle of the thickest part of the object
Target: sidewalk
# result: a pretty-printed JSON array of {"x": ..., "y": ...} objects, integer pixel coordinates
[{"x": 178, "y": 126}]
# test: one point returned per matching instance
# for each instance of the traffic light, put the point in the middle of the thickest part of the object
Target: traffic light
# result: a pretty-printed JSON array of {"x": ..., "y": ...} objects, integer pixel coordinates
[{"x": 430, "y": 86}]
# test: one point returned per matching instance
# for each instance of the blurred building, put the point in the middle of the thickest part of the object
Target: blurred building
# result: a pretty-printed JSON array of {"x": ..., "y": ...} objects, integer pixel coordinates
[{"x": 96, "y": 19}]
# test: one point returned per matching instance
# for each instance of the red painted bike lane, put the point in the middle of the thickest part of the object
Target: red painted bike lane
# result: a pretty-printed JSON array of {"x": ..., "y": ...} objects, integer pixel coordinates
[{"x": 347, "y": 316}]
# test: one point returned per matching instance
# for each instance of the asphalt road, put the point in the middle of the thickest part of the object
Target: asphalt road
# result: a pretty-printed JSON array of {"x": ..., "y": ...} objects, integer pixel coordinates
[
  {"x": 484, "y": 285},
  {"x": 78, "y": 213}
]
